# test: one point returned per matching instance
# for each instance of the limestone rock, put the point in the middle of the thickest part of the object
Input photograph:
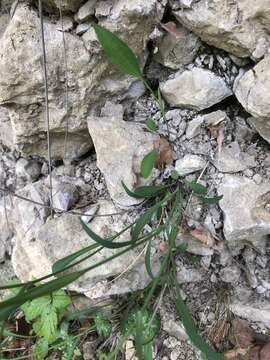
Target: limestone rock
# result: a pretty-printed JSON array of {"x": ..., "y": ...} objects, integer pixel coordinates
[
  {"x": 65, "y": 24},
  {"x": 189, "y": 164},
  {"x": 254, "y": 311},
  {"x": 55, "y": 239},
  {"x": 120, "y": 148},
  {"x": 253, "y": 92},
  {"x": 66, "y": 5},
  {"x": 28, "y": 170},
  {"x": 4, "y": 20},
  {"x": 196, "y": 89},
  {"x": 90, "y": 76},
  {"x": 231, "y": 159},
  {"x": 194, "y": 127},
  {"x": 233, "y": 26},
  {"x": 5, "y": 224},
  {"x": 65, "y": 194},
  {"x": 86, "y": 11},
  {"x": 246, "y": 210},
  {"x": 177, "y": 50}
]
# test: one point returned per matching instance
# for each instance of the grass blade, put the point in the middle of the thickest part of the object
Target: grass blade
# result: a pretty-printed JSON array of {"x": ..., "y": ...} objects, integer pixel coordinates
[
  {"x": 145, "y": 192},
  {"x": 190, "y": 326},
  {"x": 212, "y": 201},
  {"x": 148, "y": 260},
  {"x": 197, "y": 188},
  {"x": 118, "y": 52}
]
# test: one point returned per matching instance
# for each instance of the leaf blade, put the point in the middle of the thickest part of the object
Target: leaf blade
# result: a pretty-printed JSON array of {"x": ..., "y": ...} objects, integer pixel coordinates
[
  {"x": 148, "y": 163},
  {"x": 118, "y": 52}
]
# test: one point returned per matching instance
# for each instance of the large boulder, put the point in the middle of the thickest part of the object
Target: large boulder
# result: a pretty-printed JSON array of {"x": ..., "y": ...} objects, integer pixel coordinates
[
  {"x": 238, "y": 27},
  {"x": 91, "y": 78},
  {"x": 196, "y": 89},
  {"x": 246, "y": 208},
  {"x": 120, "y": 147},
  {"x": 252, "y": 89},
  {"x": 59, "y": 237}
]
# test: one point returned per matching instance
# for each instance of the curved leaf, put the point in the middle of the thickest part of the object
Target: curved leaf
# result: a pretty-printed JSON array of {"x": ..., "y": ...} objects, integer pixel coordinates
[
  {"x": 118, "y": 52},
  {"x": 211, "y": 201},
  {"x": 197, "y": 188},
  {"x": 148, "y": 261},
  {"x": 145, "y": 192},
  {"x": 148, "y": 163}
]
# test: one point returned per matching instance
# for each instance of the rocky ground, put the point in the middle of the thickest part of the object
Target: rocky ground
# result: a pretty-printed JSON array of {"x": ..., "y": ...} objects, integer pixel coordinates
[{"x": 211, "y": 61}]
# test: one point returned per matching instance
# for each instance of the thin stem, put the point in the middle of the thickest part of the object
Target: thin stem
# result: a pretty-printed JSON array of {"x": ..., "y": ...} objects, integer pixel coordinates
[{"x": 47, "y": 115}]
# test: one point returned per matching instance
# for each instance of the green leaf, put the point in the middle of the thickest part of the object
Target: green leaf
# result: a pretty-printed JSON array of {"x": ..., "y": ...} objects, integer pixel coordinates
[
  {"x": 33, "y": 309},
  {"x": 46, "y": 325},
  {"x": 41, "y": 349},
  {"x": 148, "y": 351},
  {"x": 8, "y": 306},
  {"x": 60, "y": 300},
  {"x": 148, "y": 260},
  {"x": 174, "y": 175},
  {"x": 139, "y": 336},
  {"x": 103, "y": 325},
  {"x": 212, "y": 201},
  {"x": 197, "y": 188},
  {"x": 61, "y": 264},
  {"x": 118, "y": 52},
  {"x": 149, "y": 327},
  {"x": 191, "y": 329},
  {"x": 174, "y": 221},
  {"x": 148, "y": 163},
  {"x": 145, "y": 192},
  {"x": 151, "y": 125},
  {"x": 107, "y": 243}
]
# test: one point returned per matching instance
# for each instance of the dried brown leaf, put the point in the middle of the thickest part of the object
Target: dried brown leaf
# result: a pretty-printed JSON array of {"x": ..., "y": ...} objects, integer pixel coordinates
[
  {"x": 204, "y": 236},
  {"x": 171, "y": 28},
  {"x": 244, "y": 335},
  {"x": 165, "y": 153},
  {"x": 233, "y": 354},
  {"x": 265, "y": 352}
]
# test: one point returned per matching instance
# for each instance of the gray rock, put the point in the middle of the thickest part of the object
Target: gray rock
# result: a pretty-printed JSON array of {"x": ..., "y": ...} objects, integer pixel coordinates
[
  {"x": 65, "y": 194},
  {"x": 252, "y": 89},
  {"x": 262, "y": 126},
  {"x": 66, "y": 24},
  {"x": 231, "y": 159},
  {"x": 215, "y": 118},
  {"x": 66, "y": 5},
  {"x": 28, "y": 170},
  {"x": 194, "y": 246},
  {"x": 233, "y": 26},
  {"x": 174, "y": 51},
  {"x": 35, "y": 256},
  {"x": 189, "y": 164},
  {"x": 253, "y": 311},
  {"x": 188, "y": 275},
  {"x": 82, "y": 28},
  {"x": 4, "y": 20},
  {"x": 230, "y": 274},
  {"x": 194, "y": 127},
  {"x": 245, "y": 210},
  {"x": 118, "y": 157},
  {"x": 91, "y": 76},
  {"x": 196, "y": 89},
  {"x": 86, "y": 11}
]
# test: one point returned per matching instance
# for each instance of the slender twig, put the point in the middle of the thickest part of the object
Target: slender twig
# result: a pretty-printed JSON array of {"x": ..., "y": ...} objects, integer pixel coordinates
[
  {"x": 66, "y": 78},
  {"x": 47, "y": 114},
  {"x": 59, "y": 211}
]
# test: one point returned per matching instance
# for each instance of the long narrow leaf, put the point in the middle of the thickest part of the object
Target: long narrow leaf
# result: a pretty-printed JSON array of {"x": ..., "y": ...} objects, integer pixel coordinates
[
  {"x": 148, "y": 163},
  {"x": 148, "y": 260},
  {"x": 175, "y": 219},
  {"x": 10, "y": 305},
  {"x": 191, "y": 329},
  {"x": 197, "y": 188},
  {"x": 118, "y": 52},
  {"x": 61, "y": 264},
  {"x": 145, "y": 192},
  {"x": 107, "y": 243}
]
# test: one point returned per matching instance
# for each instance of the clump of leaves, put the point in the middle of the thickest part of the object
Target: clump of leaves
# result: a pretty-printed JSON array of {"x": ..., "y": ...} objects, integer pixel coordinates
[
  {"x": 103, "y": 325},
  {"x": 45, "y": 313}
]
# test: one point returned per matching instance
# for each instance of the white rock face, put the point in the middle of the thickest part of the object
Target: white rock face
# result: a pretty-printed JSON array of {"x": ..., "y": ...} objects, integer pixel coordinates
[
  {"x": 253, "y": 92},
  {"x": 91, "y": 77},
  {"x": 35, "y": 256},
  {"x": 234, "y": 26},
  {"x": 246, "y": 210},
  {"x": 66, "y": 5},
  {"x": 175, "y": 51},
  {"x": 120, "y": 147},
  {"x": 196, "y": 89},
  {"x": 189, "y": 164},
  {"x": 231, "y": 159},
  {"x": 255, "y": 311}
]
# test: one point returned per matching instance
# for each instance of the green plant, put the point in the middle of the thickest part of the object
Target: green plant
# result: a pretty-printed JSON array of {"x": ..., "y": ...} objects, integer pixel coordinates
[{"x": 163, "y": 211}]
